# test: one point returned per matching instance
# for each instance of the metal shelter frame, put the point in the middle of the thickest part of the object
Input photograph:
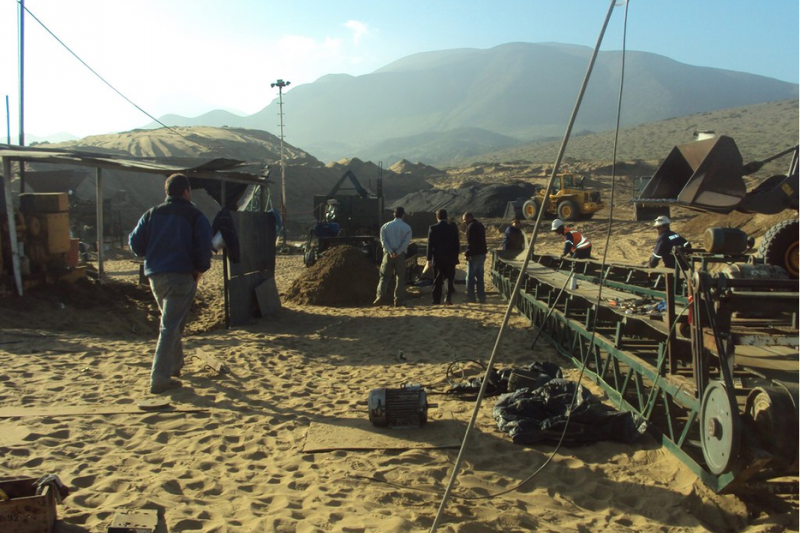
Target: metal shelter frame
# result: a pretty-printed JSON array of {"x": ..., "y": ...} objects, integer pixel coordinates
[{"x": 222, "y": 170}]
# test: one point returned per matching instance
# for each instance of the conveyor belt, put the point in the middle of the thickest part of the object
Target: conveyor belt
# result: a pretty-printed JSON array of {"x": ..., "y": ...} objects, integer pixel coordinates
[{"x": 641, "y": 363}]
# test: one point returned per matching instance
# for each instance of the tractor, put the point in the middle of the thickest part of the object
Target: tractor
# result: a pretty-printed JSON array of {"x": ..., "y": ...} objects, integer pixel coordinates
[
  {"x": 569, "y": 200},
  {"x": 346, "y": 216}
]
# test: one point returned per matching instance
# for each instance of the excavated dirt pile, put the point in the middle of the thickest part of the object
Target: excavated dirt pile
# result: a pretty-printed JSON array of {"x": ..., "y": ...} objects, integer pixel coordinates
[{"x": 343, "y": 277}]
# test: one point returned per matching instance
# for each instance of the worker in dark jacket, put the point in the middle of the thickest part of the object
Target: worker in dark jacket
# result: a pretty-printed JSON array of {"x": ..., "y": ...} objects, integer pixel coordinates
[
  {"x": 443, "y": 249},
  {"x": 576, "y": 245},
  {"x": 665, "y": 242},
  {"x": 476, "y": 257},
  {"x": 513, "y": 239},
  {"x": 175, "y": 240}
]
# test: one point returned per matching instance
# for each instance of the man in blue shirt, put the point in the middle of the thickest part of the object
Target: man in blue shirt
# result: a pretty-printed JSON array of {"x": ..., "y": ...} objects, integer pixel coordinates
[
  {"x": 395, "y": 238},
  {"x": 175, "y": 240}
]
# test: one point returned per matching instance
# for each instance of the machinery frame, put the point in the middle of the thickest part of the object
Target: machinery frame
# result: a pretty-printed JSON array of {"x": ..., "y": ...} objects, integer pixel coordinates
[{"x": 644, "y": 366}]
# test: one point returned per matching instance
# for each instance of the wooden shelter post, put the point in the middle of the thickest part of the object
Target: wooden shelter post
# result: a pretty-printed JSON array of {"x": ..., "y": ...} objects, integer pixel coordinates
[
  {"x": 12, "y": 225},
  {"x": 100, "y": 237}
]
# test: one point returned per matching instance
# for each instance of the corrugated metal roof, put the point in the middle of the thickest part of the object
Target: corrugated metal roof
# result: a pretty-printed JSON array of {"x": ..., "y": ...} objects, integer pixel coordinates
[{"x": 221, "y": 169}]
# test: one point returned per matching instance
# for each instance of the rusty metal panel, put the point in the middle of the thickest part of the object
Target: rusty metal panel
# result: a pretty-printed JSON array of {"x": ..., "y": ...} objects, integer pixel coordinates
[
  {"x": 256, "y": 232},
  {"x": 223, "y": 169},
  {"x": 242, "y": 297}
]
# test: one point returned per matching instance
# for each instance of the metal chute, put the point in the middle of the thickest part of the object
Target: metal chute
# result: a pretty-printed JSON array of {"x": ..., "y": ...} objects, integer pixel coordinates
[{"x": 706, "y": 176}]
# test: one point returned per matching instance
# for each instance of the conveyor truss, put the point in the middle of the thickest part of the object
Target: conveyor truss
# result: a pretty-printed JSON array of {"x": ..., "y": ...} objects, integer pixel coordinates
[{"x": 715, "y": 375}]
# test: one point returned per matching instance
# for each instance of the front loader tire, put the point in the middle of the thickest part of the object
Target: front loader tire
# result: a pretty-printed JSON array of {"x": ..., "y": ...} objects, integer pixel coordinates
[
  {"x": 567, "y": 211},
  {"x": 780, "y": 247},
  {"x": 530, "y": 209}
]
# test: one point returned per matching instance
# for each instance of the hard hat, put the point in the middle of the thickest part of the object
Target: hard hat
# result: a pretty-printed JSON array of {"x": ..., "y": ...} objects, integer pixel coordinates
[
  {"x": 557, "y": 223},
  {"x": 661, "y": 221}
]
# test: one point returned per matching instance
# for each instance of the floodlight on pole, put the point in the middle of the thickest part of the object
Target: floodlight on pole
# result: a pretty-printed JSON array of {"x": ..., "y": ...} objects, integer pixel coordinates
[{"x": 280, "y": 84}]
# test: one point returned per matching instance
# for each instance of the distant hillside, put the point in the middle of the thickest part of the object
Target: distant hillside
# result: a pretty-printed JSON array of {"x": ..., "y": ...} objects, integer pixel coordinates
[
  {"x": 452, "y": 147},
  {"x": 306, "y": 176},
  {"x": 33, "y": 140},
  {"x": 759, "y": 131},
  {"x": 522, "y": 91}
]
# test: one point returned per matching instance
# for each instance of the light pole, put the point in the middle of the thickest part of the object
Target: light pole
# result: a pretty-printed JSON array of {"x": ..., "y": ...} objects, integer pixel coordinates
[{"x": 280, "y": 84}]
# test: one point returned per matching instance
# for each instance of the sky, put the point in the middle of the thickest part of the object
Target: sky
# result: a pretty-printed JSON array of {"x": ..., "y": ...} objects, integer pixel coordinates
[{"x": 188, "y": 57}]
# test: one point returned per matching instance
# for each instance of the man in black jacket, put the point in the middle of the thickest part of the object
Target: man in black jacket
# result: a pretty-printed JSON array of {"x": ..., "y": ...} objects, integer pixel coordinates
[
  {"x": 476, "y": 257},
  {"x": 513, "y": 238},
  {"x": 443, "y": 250}
]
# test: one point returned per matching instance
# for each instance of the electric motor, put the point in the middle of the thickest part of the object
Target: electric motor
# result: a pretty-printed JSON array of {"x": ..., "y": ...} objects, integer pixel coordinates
[{"x": 403, "y": 407}]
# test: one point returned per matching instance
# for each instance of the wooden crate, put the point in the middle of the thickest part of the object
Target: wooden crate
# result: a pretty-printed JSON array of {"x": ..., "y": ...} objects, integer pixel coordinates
[
  {"x": 25, "y": 511},
  {"x": 48, "y": 202}
]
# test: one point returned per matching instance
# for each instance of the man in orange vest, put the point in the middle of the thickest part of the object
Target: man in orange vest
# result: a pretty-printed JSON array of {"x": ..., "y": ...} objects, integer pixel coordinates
[{"x": 575, "y": 244}]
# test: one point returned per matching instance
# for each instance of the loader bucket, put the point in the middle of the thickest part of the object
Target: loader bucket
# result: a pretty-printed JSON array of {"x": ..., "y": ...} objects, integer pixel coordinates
[{"x": 704, "y": 175}]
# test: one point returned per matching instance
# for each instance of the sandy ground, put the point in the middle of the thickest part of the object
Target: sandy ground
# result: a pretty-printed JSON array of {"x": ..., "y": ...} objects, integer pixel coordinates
[{"x": 231, "y": 457}]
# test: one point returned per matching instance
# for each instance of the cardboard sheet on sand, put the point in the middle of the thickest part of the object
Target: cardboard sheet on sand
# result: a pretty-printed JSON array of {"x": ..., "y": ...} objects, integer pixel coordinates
[{"x": 360, "y": 434}]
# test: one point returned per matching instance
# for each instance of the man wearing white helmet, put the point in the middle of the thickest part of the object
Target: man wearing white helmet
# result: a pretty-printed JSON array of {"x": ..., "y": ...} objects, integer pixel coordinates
[
  {"x": 666, "y": 241},
  {"x": 575, "y": 244}
]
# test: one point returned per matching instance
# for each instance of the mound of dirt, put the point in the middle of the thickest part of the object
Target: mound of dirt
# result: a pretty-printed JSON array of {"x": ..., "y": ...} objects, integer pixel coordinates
[
  {"x": 343, "y": 277},
  {"x": 484, "y": 201},
  {"x": 85, "y": 305}
]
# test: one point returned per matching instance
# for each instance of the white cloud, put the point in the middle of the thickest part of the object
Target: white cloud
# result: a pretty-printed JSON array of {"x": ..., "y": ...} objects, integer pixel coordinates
[
  {"x": 359, "y": 30},
  {"x": 298, "y": 48}
]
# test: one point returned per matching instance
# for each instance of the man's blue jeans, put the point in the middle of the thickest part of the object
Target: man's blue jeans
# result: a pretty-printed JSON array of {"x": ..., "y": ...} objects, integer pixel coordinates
[
  {"x": 174, "y": 294},
  {"x": 475, "y": 278}
]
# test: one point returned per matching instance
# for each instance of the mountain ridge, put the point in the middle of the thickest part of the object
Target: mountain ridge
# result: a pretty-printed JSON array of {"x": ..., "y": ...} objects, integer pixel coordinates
[{"x": 525, "y": 91}]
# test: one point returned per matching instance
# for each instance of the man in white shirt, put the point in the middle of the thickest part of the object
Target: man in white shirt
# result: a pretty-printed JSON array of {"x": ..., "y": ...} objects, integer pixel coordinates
[{"x": 395, "y": 238}]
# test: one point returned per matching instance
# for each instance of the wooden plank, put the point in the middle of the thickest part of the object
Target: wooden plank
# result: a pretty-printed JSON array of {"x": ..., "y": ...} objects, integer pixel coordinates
[
  {"x": 775, "y": 362},
  {"x": 87, "y": 410},
  {"x": 140, "y": 521},
  {"x": 360, "y": 434}
]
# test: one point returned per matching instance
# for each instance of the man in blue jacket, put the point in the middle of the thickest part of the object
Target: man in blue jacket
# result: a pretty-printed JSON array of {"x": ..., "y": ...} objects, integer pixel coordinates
[
  {"x": 666, "y": 241},
  {"x": 175, "y": 240}
]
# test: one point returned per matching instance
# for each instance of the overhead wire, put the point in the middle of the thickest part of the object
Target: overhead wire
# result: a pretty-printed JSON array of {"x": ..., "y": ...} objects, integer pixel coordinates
[
  {"x": 489, "y": 366},
  {"x": 515, "y": 290},
  {"x": 599, "y": 290},
  {"x": 101, "y": 78}
]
